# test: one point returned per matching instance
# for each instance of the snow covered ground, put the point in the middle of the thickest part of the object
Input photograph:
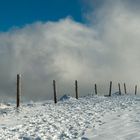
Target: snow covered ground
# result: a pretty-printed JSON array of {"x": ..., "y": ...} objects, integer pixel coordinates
[{"x": 88, "y": 118}]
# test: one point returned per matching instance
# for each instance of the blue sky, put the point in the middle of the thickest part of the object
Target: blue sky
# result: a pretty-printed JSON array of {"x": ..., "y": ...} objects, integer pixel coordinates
[{"x": 21, "y": 12}]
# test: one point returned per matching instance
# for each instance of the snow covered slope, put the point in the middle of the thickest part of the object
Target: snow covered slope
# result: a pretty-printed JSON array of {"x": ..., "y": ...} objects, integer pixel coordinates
[{"x": 88, "y": 118}]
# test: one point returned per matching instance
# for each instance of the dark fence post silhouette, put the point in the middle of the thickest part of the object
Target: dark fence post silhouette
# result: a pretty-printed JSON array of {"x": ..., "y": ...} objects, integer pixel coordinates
[
  {"x": 18, "y": 89},
  {"x": 76, "y": 89},
  {"x": 110, "y": 88},
  {"x": 95, "y": 89},
  {"x": 135, "y": 89},
  {"x": 54, "y": 89},
  {"x": 125, "y": 89},
  {"x": 119, "y": 88}
]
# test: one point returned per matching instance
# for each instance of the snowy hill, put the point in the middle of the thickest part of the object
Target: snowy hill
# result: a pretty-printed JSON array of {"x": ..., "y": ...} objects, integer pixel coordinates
[{"x": 88, "y": 118}]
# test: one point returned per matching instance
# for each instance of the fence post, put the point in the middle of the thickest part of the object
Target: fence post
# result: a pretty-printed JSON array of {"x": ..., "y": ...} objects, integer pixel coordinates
[
  {"x": 76, "y": 89},
  {"x": 54, "y": 89},
  {"x": 135, "y": 89},
  {"x": 18, "y": 89},
  {"x": 110, "y": 88},
  {"x": 119, "y": 88},
  {"x": 95, "y": 89},
  {"x": 125, "y": 88}
]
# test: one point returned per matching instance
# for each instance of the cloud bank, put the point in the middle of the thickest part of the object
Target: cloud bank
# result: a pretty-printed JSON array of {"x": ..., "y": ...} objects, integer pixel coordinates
[{"x": 106, "y": 48}]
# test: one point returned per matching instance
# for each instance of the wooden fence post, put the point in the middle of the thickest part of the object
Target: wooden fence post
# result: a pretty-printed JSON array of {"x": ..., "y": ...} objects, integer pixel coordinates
[
  {"x": 119, "y": 88},
  {"x": 135, "y": 89},
  {"x": 54, "y": 89},
  {"x": 76, "y": 89},
  {"x": 125, "y": 89},
  {"x": 18, "y": 89},
  {"x": 110, "y": 88},
  {"x": 95, "y": 89}
]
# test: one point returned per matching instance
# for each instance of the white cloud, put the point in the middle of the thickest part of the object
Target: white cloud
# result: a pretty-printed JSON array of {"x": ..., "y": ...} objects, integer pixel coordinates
[{"x": 67, "y": 50}]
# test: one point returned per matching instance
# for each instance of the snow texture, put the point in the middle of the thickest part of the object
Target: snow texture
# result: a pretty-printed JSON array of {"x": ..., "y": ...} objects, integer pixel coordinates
[{"x": 88, "y": 118}]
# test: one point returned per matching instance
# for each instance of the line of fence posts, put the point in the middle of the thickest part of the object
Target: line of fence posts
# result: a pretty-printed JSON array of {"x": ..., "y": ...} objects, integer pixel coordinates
[
  {"x": 18, "y": 89},
  {"x": 76, "y": 89}
]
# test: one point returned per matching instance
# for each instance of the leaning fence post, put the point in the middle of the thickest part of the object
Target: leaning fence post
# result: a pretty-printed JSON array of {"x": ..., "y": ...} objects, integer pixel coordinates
[
  {"x": 95, "y": 89},
  {"x": 54, "y": 89},
  {"x": 135, "y": 89},
  {"x": 76, "y": 89},
  {"x": 119, "y": 88},
  {"x": 18, "y": 89},
  {"x": 125, "y": 88},
  {"x": 110, "y": 88}
]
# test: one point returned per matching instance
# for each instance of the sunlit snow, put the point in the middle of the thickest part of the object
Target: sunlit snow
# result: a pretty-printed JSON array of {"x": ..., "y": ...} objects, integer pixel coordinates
[{"x": 88, "y": 118}]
